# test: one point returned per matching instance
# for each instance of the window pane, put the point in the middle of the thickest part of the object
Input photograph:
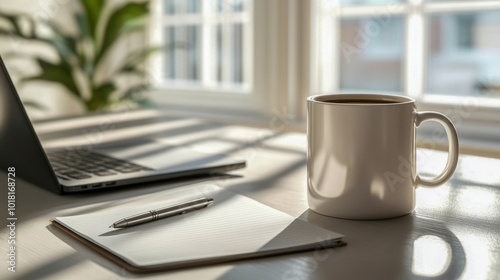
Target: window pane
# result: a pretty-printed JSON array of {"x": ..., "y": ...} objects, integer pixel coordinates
[
  {"x": 219, "y": 52},
  {"x": 238, "y": 53},
  {"x": 230, "y": 53},
  {"x": 464, "y": 54},
  {"x": 238, "y": 5},
  {"x": 170, "y": 57},
  {"x": 193, "y": 52},
  {"x": 364, "y": 2},
  {"x": 371, "y": 54},
  {"x": 183, "y": 63},
  {"x": 182, "y": 6},
  {"x": 226, "y": 6}
]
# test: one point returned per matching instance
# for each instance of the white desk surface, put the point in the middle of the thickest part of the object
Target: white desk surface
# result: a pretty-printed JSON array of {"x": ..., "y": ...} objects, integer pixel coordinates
[{"x": 453, "y": 232}]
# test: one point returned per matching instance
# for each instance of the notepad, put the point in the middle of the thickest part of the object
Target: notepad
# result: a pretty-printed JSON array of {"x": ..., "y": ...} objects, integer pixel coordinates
[{"x": 235, "y": 227}]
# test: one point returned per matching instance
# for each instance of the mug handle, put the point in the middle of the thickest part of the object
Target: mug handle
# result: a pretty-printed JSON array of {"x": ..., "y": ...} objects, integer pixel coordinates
[{"x": 451, "y": 133}]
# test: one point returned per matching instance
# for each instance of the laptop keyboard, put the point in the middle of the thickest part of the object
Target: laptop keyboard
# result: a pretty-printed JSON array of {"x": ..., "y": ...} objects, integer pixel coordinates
[{"x": 91, "y": 165}]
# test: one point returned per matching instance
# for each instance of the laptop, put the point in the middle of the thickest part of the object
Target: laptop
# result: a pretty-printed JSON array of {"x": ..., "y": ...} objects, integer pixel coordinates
[{"x": 71, "y": 170}]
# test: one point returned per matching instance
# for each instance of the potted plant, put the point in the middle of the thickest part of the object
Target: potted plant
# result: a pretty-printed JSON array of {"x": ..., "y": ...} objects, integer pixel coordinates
[{"x": 80, "y": 55}]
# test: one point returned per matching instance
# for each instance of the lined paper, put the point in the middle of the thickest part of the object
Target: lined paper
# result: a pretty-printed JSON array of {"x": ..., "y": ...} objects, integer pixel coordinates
[{"x": 234, "y": 225}]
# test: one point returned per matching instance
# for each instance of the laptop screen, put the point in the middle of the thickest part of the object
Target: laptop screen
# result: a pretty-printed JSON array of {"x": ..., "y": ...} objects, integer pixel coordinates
[{"x": 19, "y": 145}]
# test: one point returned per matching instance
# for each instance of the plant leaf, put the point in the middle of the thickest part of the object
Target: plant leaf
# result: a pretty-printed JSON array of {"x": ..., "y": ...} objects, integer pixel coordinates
[
  {"x": 17, "y": 55},
  {"x": 124, "y": 19},
  {"x": 101, "y": 96},
  {"x": 12, "y": 19},
  {"x": 140, "y": 56},
  {"x": 58, "y": 73},
  {"x": 93, "y": 10},
  {"x": 104, "y": 91},
  {"x": 136, "y": 58},
  {"x": 14, "y": 29},
  {"x": 132, "y": 70},
  {"x": 34, "y": 104},
  {"x": 83, "y": 26},
  {"x": 65, "y": 45},
  {"x": 15, "y": 19},
  {"x": 136, "y": 93},
  {"x": 5, "y": 32},
  {"x": 86, "y": 55}
]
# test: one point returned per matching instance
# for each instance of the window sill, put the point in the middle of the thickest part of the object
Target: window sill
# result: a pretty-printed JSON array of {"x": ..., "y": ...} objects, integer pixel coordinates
[{"x": 204, "y": 101}]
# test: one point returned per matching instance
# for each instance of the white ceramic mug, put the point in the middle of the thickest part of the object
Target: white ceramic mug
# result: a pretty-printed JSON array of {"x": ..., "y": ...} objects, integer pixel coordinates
[{"x": 361, "y": 155}]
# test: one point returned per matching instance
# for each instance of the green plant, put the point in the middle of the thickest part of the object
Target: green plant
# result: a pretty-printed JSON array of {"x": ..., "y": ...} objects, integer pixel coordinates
[{"x": 81, "y": 55}]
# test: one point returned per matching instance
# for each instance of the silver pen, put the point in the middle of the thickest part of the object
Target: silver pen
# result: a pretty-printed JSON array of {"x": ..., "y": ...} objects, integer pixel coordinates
[{"x": 161, "y": 213}]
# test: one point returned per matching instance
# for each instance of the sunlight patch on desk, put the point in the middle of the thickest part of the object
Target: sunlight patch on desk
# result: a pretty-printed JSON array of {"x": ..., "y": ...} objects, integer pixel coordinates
[
  {"x": 244, "y": 144},
  {"x": 93, "y": 120},
  {"x": 480, "y": 170},
  {"x": 431, "y": 256},
  {"x": 478, "y": 247},
  {"x": 100, "y": 137},
  {"x": 437, "y": 199},
  {"x": 430, "y": 162},
  {"x": 51, "y": 268},
  {"x": 265, "y": 142},
  {"x": 477, "y": 202}
]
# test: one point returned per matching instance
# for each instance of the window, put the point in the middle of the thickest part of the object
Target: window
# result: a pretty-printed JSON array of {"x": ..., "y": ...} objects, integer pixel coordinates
[
  {"x": 463, "y": 54},
  {"x": 419, "y": 47},
  {"x": 359, "y": 65},
  {"x": 210, "y": 44},
  {"x": 444, "y": 53},
  {"x": 242, "y": 70}
]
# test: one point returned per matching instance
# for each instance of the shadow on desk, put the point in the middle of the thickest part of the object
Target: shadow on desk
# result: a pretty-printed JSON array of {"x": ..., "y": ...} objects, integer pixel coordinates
[{"x": 408, "y": 247}]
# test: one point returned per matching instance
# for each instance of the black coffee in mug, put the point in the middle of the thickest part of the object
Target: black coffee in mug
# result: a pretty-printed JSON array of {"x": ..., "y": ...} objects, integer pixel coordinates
[{"x": 361, "y": 101}]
